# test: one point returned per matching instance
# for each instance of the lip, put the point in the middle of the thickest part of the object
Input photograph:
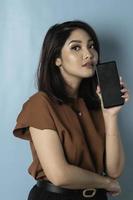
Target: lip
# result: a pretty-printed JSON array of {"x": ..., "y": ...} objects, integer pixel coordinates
[{"x": 88, "y": 64}]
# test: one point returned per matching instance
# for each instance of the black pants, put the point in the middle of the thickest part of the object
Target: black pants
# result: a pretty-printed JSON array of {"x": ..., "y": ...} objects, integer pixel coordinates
[{"x": 38, "y": 193}]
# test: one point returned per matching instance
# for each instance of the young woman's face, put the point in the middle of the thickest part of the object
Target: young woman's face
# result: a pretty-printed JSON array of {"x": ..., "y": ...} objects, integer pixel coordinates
[{"x": 78, "y": 56}]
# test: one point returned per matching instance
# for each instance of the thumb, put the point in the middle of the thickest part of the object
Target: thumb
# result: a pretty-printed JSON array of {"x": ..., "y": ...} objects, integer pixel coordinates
[{"x": 98, "y": 92}]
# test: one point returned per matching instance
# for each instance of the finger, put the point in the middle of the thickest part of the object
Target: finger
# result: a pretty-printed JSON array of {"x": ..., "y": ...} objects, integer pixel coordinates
[
  {"x": 126, "y": 100},
  {"x": 122, "y": 84},
  {"x": 120, "y": 77},
  {"x": 124, "y": 90},
  {"x": 98, "y": 89},
  {"x": 121, "y": 80},
  {"x": 115, "y": 194},
  {"x": 126, "y": 97}
]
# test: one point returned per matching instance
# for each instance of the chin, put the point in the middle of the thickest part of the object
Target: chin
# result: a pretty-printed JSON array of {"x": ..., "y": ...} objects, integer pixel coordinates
[{"x": 91, "y": 74}]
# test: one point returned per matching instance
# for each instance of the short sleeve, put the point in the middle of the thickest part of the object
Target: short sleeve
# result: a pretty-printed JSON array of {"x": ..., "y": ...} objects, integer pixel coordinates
[{"x": 36, "y": 112}]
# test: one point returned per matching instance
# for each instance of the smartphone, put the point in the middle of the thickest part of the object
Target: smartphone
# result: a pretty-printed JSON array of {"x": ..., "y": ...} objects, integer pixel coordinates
[{"x": 109, "y": 82}]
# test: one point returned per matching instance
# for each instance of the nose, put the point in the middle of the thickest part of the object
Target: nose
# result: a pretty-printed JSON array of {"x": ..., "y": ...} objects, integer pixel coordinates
[{"x": 88, "y": 54}]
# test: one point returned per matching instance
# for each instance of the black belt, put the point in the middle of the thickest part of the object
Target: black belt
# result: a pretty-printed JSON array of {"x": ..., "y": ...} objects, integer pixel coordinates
[{"x": 87, "y": 192}]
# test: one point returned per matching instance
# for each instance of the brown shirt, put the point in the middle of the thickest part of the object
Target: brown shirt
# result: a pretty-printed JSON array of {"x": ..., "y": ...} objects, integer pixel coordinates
[{"x": 82, "y": 134}]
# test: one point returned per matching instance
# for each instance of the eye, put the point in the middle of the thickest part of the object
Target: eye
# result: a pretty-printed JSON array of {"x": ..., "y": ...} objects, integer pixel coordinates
[
  {"x": 76, "y": 48},
  {"x": 92, "y": 46}
]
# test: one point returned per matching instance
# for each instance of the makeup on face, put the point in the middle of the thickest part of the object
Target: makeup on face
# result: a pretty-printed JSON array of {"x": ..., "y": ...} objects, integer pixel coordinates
[
  {"x": 86, "y": 47},
  {"x": 78, "y": 56}
]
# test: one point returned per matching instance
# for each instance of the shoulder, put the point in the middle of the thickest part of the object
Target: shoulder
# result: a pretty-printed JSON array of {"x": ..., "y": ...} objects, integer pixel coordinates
[
  {"x": 39, "y": 98},
  {"x": 44, "y": 98},
  {"x": 41, "y": 101}
]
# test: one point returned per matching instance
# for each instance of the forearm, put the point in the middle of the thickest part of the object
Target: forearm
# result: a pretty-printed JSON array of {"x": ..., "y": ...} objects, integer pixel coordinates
[
  {"x": 114, "y": 149},
  {"x": 78, "y": 178}
]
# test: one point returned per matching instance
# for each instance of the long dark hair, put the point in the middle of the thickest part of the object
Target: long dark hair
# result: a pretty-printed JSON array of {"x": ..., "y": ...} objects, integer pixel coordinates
[{"x": 49, "y": 78}]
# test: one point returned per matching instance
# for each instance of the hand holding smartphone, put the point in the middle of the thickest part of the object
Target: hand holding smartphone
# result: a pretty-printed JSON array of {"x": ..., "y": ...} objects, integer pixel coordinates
[{"x": 109, "y": 82}]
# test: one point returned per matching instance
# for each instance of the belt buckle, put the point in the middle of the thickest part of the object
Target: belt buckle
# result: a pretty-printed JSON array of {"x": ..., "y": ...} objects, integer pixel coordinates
[{"x": 93, "y": 190}]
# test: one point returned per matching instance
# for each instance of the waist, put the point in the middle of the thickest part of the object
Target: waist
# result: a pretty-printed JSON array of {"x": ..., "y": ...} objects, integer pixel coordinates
[{"x": 87, "y": 192}]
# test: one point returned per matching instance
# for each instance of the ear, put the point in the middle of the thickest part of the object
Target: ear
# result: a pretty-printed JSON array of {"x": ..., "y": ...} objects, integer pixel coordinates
[{"x": 58, "y": 62}]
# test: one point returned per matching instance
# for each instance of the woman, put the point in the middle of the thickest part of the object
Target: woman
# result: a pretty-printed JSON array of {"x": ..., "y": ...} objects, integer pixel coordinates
[{"x": 70, "y": 133}]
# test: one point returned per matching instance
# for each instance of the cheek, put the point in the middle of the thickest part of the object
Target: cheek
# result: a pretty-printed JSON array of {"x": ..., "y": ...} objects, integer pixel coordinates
[
  {"x": 95, "y": 56},
  {"x": 68, "y": 57}
]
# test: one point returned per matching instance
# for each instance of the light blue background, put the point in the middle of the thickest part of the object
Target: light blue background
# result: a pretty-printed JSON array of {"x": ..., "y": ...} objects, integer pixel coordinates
[{"x": 23, "y": 24}]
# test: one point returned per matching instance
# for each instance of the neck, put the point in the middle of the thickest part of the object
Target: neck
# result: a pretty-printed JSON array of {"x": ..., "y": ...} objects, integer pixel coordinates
[
  {"x": 72, "y": 84},
  {"x": 73, "y": 90}
]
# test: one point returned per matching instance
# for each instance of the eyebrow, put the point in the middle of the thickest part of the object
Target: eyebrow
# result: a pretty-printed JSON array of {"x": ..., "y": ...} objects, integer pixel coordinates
[{"x": 79, "y": 41}]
